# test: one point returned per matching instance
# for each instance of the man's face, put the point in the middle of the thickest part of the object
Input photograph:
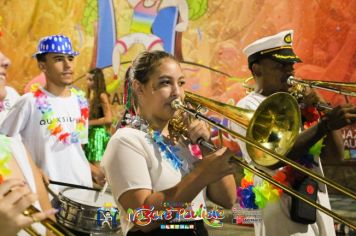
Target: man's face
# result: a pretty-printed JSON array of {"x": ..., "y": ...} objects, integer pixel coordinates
[
  {"x": 273, "y": 76},
  {"x": 4, "y": 65},
  {"x": 58, "y": 68}
]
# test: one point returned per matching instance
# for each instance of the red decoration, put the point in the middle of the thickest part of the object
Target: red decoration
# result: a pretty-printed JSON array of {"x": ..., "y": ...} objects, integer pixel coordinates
[
  {"x": 310, "y": 189},
  {"x": 311, "y": 116}
]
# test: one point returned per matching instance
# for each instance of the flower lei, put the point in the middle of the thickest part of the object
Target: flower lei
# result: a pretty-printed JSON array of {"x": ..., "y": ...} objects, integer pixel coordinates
[
  {"x": 310, "y": 116},
  {"x": 167, "y": 151},
  {"x": 256, "y": 197},
  {"x": 55, "y": 127},
  {"x": 5, "y": 157}
]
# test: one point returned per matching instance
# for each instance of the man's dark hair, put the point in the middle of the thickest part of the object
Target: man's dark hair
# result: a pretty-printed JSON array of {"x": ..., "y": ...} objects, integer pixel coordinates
[
  {"x": 250, "y": 65},
  {"x": 41, "y": 57}
]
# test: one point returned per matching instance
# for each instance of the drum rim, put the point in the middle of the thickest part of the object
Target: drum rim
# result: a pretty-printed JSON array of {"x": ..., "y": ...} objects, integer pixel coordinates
[
  {"x": 81, "y": 208},
  {"x": 76, "y": 203},
  {"x": 79, "y": 228}
]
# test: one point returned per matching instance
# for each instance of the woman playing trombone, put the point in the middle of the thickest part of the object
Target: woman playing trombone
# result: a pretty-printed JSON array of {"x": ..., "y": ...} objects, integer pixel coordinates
[{"x": 144, "y": 165}]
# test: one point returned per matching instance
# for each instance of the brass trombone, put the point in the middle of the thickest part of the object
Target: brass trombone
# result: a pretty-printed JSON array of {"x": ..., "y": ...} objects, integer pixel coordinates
[
  {"x": 299, "y": 86},
  {"x": 248, "y": 85},
  {"x": 348, "y": 89},
  {"x": 271, "y": 131}
]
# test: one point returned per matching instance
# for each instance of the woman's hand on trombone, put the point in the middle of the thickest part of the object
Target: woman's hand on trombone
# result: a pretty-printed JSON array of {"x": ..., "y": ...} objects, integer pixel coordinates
[
  {"x": 15, "y": 198},
  {"x": 198, "y": 129},
  {"x": 216, "y": 165}
]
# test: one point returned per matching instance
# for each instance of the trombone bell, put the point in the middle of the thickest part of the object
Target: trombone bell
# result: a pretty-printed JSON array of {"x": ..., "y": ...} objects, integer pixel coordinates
[{"x": 274, "y": 125}]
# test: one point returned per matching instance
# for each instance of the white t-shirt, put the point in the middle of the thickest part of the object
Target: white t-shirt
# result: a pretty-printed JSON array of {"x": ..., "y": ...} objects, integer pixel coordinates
[
  {"x": 9, "y": 101},
  {"x": 19, "y": 153},
  {"x": 131, "y": 161},
  {"x": 61, "y": 162},
  {"x": 278, "y": 212}
]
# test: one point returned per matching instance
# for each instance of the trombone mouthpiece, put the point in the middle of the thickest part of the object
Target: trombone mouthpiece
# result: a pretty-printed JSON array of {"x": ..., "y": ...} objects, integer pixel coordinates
[
  {"x": 176, "y": 104},
  {"x": 290, "y": 80}
]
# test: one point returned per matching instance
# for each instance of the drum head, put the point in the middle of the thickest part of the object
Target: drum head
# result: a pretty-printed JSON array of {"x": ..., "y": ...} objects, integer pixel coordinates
[
  {"x": 89, "y": 197},
  {"x": 88, "y": 211}
]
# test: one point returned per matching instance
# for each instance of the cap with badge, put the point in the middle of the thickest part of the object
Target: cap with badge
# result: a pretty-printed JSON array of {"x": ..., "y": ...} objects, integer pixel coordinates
[
  {"x": 277, "y": 47},
  {"x": 55, "y": 44}
]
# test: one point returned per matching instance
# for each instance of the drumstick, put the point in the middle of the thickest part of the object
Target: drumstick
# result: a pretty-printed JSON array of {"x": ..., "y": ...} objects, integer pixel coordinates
[
  {"x": 73, "y": 185},
  {"x": 103, "y": 190}
]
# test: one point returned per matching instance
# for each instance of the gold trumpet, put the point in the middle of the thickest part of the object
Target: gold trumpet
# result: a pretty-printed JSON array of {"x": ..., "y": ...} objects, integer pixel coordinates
[
  {"x": 271, "y": 131},
  {"x": 50, "y": 225}
]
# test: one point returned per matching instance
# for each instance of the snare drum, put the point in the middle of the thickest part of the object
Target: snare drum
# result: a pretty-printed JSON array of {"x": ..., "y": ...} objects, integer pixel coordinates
[{"x": 88, "y": 211}]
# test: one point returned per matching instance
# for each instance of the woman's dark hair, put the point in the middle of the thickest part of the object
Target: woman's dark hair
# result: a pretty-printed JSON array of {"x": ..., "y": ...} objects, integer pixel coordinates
[
  {"x": 142, "y": 66},
  {"x": 99, "y": 87},
  {"x": 145, "y": 63}
]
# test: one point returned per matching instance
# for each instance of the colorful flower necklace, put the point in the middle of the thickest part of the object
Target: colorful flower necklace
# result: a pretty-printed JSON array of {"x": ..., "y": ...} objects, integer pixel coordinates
[
  {"x": 55, "y": 127},
  {"x": 5, "y": 157},
  {"x": 256, "y": 197},
  {"x": 168, "y": 151}
]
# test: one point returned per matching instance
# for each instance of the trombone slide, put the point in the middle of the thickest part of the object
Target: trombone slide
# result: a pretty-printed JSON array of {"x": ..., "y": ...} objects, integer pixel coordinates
[{"x": 348, "y": 89}]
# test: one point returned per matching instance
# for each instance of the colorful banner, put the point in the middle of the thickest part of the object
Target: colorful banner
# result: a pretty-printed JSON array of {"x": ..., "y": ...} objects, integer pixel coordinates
[
  {"x": 349, "y": 137},
  {"x": 208, "y": 36},
  {"x": 106, "y": 37}
]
